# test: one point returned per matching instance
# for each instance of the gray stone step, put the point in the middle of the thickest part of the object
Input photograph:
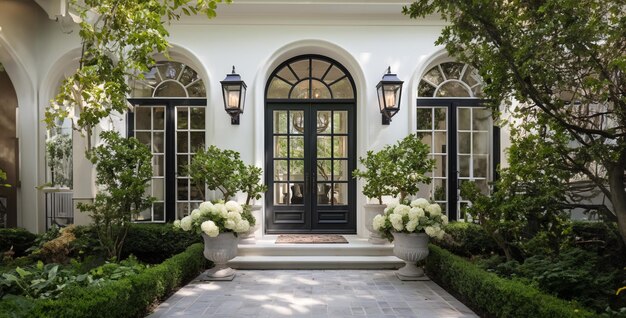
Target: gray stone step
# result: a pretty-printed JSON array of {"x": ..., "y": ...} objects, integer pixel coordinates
[
  {"x": 316, "y": 262},
  {"x": 352, "y": 249}
]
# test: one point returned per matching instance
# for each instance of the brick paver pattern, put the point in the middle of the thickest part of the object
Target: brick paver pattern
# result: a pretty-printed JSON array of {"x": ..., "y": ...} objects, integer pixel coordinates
[{"x": 312, "y": 293}]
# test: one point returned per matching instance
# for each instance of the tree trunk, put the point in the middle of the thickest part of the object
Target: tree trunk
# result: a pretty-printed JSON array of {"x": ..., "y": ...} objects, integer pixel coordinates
[{"x": 618, "y": 196}]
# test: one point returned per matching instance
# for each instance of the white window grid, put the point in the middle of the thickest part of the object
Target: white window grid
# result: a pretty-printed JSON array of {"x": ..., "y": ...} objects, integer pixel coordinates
[{"x": 435, "y": 152}]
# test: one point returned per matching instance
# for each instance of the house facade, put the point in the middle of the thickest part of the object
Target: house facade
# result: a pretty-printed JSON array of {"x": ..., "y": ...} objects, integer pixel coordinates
[{"x": 311, "y": 108}]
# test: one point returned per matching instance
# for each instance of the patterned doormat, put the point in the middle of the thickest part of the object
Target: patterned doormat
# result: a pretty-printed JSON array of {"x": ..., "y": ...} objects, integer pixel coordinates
[{"x": 311, "y": 239}]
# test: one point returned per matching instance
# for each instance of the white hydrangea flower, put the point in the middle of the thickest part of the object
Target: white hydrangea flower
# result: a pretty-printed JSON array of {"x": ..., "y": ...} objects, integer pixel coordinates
[
  {"x": 196, "y": 214},
  {"x": 402, "y": 209},
  {"x": 242, "y": 226},
  {"x": 213, "y": 210},
  {"x": 415, "y": 213},
  {"x": 205, "y": 207},
  {"x": 233, "y": 206},
  {"x": 185, "y": 223},
  {"x": 420, "y": 203},
  {"x": 378, "y": 222},
  {"x": 444, "y": 219},
  {"x": 221, "y": 210},
  {"x": 209, "y": 228},
  {"x": 392, "y": 205},
  {"x": 396, "y": 222},
  {"x": 430, "y": 231},
  {"x": 235, "y": 216},
  {"x": 230, "y": 224},
  {"x": 439, "y": 233},
  {"x": 177, "y": 224},
  {"x": 434, "y": 209},
  {"x": 411, "y": 225}
]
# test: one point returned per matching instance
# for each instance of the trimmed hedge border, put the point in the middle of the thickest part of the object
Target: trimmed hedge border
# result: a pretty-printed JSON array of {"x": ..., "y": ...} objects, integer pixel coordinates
[
  {"x": 495, "y": 296},
  {"x": 129, "y": 297}
]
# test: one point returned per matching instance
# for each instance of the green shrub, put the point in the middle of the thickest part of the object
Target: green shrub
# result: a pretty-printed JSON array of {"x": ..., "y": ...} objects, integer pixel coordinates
[
  {"x": 154, "y": 243},
  {"x": 19, "y": 238},
  {"x": 603, "y": 238},
  {"x": 127, "y": 297},
  {"x": 467, "y": 239},
  {"x": 493, "y": 295}
]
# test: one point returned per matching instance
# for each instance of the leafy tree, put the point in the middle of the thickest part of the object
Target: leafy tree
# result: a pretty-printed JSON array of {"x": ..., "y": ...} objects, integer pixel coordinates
[
  {"x": 396, "y": 170},
  {"x": 218, "y": 169},
  {"x": 377, "y": 168},
  {"x": 123, "y": 170},
  {"x": 528, "y": 199},
  {"x": 59, "y": 159},
  {"x": 564, "y": 61},
  {"x": 251, "y": 183},
  {"x": 119, "y": 39}
]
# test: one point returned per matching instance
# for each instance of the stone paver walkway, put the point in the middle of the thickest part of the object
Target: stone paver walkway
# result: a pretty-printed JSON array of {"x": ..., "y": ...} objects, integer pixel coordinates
[{"x": 312, "y": 293}]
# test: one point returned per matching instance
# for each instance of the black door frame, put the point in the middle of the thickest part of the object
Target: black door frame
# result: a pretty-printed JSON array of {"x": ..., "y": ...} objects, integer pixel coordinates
[
  {"x": 453, "y": 174},
  {"x": 170, "y": 139},
  {"x": 311, "y": 210}
]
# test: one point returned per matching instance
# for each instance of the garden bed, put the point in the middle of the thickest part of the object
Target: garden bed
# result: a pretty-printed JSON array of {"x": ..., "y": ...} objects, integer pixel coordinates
[{"x": 131, "y": 296}]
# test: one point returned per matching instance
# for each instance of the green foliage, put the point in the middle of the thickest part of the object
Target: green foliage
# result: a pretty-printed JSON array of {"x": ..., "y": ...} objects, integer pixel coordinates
[
  {"x": 59, "y": 159},
  {"x": 528, "y": 198},
  {"x": 18, "y": 238},
  {"x": 495, "y": 296},
  {"x": 564, "y": 62},
  {"x": 376, "y": 174},
  {"x": 123, "y": 170},
  {"x": 218, "y": 169},
  {"x": 153, "y": 243},
  {"x": 397, "y": 169},
  {"x": 129, "y": 296},
  {"x": 467, "y": 239},
  {"x": 3, "y": 178},
  {"x": 119, "y": 40},
  {"x": 251, "y": 183}
]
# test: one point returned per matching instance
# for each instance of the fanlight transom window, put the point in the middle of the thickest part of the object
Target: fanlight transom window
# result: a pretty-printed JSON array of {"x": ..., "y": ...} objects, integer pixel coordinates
[
  {"x": 310, "y": 78},
  {"x": 450, "y": 79},
  {"x": 169, "y": 79}
]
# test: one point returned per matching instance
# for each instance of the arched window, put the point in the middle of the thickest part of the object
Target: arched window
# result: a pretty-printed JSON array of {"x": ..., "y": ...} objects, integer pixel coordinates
[
  {"x": 310, "y": 78},
  {"x": 450, "y": 80},
  {"x": 169, "y": 79},
  {"x": 459, "y": 130},
  {"x": 170, "y": 117}
]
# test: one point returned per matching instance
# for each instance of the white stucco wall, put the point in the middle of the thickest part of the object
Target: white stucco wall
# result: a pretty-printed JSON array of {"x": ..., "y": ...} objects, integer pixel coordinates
[{"x": 255, "y": 36}]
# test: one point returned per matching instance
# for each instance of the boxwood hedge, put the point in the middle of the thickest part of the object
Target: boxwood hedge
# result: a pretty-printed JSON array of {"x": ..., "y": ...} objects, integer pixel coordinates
[
  {"x": 129, "y": 297},
  {"x": 494, "y": 296}
]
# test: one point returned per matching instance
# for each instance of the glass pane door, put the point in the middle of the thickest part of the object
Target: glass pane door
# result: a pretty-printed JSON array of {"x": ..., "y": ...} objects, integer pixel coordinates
[
  {"x": 432, "y": 128},
  {"x": 190, "y": 136},
  {"x": 474, "y": 148},
  {"x": 149, "y": 126},
  {"x": 310, "y": 158}
]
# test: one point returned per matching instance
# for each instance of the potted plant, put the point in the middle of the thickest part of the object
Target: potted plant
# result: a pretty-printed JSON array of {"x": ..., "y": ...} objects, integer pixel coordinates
[
  {"x": 409, "y": 228},
  {"x": 250, "y": 183},
  {"x": 396, "y": 170},
  {"x": 219, "y": 224},
  {"x": 218, "y": 170},
  {"x": 377, "y": 175}
]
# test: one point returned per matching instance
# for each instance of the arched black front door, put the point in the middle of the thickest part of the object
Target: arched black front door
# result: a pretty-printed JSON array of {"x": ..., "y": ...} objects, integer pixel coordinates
[{"x": 310, "y": 147}]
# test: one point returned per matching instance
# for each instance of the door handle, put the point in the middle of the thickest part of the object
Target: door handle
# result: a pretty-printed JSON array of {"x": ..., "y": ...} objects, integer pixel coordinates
[{"x": 306, "y": 182}]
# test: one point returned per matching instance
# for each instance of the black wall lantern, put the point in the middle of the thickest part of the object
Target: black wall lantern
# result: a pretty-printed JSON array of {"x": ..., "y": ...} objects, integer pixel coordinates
[
  {"x": 234, "y": 92},
  {"x": 389, "y": 92}
]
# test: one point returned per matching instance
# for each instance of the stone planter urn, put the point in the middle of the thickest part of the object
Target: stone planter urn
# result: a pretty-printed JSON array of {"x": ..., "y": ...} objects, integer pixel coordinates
[
  {"x": 370, "y": 211},
  {"x": 220, "y": 250},
  {"x": 410, "y": 248},
  {"x": 249, "y": 237}
]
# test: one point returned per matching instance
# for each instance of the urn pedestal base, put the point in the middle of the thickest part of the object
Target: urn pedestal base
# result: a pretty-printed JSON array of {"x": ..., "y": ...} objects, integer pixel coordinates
[
  {"x": 411, "y": 248},
  {"x": 220, "y": 250}
]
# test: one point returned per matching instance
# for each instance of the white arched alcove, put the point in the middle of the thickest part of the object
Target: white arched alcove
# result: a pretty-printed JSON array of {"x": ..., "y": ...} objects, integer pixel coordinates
[
  {"x": 317, "y": 47},
  {"x": 28, "y": 130}
]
